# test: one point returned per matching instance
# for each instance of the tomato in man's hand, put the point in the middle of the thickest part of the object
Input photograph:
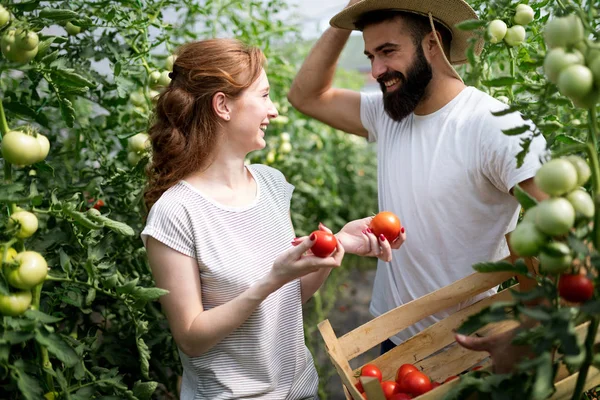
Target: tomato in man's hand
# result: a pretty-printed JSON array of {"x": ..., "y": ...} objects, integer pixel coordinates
[
  {"x": 386, "y": 223},
  {"x": 325, "y": 244}
]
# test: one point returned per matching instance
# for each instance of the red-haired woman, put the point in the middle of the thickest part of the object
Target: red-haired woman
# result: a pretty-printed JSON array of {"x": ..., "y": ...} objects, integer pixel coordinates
[{"x": 219, "y": 235}]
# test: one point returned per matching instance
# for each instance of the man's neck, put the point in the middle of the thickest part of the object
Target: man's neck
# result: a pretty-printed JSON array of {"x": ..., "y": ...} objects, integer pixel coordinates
[{"x": 440, "y": 91}]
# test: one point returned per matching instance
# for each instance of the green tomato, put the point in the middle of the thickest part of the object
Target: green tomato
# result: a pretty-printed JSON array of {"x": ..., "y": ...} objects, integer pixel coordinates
[
  {"x": 575, "y": 81},
  {"x": 138, "y": 143},
  {"x": 285, "y": 148},
  {"x": 154, "y": 94},
  {"x": 72, "y": 29},
  {"x": 524, "y": 14},
  {"x": 555, "y": 258},
  {"x": 153, "y": 79},
  {"x": 497, "y": 30},
  {"x": 26, "y": 222},
  {"x": 583, "y": 169},
  {"x": 582, "y": 203},
  {"x": 15, "y": 304},
  {"x": 556, "y": 177},
  {"x": 44, "y": 146},
  {"x": 169, "y": 62},
  {"x": 31, "y": 271},
  {"x": 564, "y": 31},
  {"x": 526, "y": 240},
  {"x": 515, "y": 35},
  {"x": 529, "y": 215},
  {"x": 555, "y": 216},
  {"x": 595, "y": 68},
  {"x": 4, "y": 16},
  {"x": 558, "y": 59},
  {"x": 26, "y": 40},
  {"x": 164, "y": 79},
  {"x": 10, "y": 254},
  {"x": 588, "y": 101},
  {"x": 19, "y": 148},
  {"x": 12, "y": 52},
  {"x": 133, "y": 158},
  {"x": 137, "y": 98}
]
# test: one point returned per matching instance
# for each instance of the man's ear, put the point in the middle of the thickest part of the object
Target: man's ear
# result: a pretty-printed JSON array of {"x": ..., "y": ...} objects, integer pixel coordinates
[
  {"x": 430, "y": 45},
  {"x": 221, "y": 105}
]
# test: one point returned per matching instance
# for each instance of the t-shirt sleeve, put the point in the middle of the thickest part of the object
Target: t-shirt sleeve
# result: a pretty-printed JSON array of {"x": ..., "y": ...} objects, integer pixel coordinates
[
  {"x": 171, "y": 225},
  {"x": 499, "y": 151},
  {"x": 371, "y": 109}
]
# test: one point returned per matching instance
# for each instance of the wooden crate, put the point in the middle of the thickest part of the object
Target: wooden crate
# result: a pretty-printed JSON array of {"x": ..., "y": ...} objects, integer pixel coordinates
[{"x": 423, "y": 349}]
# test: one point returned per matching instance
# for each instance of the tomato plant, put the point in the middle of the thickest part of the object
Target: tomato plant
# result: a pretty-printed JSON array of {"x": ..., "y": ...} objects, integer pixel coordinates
[{"x": 387, "y": 224}]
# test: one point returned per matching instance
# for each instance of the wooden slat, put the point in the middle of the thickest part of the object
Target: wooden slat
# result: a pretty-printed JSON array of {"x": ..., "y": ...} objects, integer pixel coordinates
[
  {"x": 566, "y": 387},
  {"x": 337, "y": 358},
  {"x": 383, "y": 327}
]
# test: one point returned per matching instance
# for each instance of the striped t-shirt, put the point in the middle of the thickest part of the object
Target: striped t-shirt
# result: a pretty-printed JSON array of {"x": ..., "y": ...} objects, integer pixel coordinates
[{"x": 266, "y": 357}]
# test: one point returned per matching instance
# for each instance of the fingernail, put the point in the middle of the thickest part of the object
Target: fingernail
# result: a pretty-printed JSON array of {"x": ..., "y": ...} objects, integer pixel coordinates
[
  {"x": 313, "y": 236},
  {"x": 460, "y": 337},
  {"x": 369, "y": 230},
  {"x": 382, "y": 237},
  {"x": 364, "y": 232},
  {"x": 402, "y": 230}
]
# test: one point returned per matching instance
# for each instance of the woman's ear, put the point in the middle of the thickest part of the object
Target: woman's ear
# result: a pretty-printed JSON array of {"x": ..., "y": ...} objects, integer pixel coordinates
[{"x": 221, "y": 105}]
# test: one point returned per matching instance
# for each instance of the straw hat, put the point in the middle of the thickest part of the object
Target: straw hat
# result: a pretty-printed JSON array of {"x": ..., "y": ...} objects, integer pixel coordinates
[{"x": 447, "y": 12}]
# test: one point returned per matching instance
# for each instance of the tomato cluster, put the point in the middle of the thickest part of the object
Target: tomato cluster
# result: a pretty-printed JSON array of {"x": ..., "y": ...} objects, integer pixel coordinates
[
  {"x": 24, "y": 147},
  {"x": 23, "y": 270},
  {"x": 498, "y": 30},
  {"x": 544, "y": 226},
  {"x": 572, "y": 62},
  {"x": 137, "y": 146}
]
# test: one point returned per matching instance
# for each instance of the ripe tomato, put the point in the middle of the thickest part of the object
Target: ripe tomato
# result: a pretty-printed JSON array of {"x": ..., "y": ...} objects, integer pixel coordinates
[
  {"x": 477, "y": 368},
  {"x": 515, "y": 35},
  {"x": 575, "y": 81},
  {"x": 359, "y": 386},
  {"x": 386, "y": 223},
  {"x": 324, "y": 245},
  {"x": 555, "y": 258},
  {"x": 435, "y": 384},
  {"x": 401, "y": 396},
  {"x": 451, "y": 378},
  {"x": 524, "y": 14},
  {"x": 371, "y": 370},
  {"x": 561, "y": 32},
  {"x": 497, "y": 30},
  {"x": 15, "y": 303},
  {"x": 32, "y": 270},
  {"x": 582, "y": 203},
  {"x": 556, "y": 177},
  {"x": 389, "y": 388},
  {"x": 558, "y": 59},
  {"x": 19, "y": 148},
  {"x": 583, "y": 169},
  {"x": 526, "y": 240},
  {"x": 416, "y": 383},
  {"x": 99, "y": 204},
  {"x": 4, "y": 16},
  {"x": 555, "y": 216},
  {"x": 25, "y": 222},
  {"x": 403, "y": 370},
  {"x": 575, "y": 288}
]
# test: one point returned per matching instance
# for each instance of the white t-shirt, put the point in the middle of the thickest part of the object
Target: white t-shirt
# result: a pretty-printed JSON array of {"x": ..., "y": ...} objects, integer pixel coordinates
[
  {"x": 266, "y": 357},
  {"x": 447, "y": 176}
]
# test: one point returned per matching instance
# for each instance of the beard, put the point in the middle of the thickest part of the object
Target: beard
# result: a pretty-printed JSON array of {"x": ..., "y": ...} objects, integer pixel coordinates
[{"x": 413, "y": 88}]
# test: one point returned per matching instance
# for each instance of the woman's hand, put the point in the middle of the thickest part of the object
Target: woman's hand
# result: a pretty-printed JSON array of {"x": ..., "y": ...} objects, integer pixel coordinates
[{"x": 298, "y": 261}]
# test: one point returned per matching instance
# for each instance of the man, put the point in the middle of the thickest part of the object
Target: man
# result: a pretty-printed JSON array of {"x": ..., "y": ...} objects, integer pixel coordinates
[{"x": 444, "y": 165}]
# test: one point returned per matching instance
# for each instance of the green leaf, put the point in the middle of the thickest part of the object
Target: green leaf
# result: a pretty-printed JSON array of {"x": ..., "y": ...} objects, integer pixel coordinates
[
  {"x": 28, "y": 385},
  {"x": 471, "y": 24},
  {"x": 149, "y": 294},
  {"x": 591, "y": 307},
  {"x": 535, "y": 313},
  {"x": 500, "y": 266},
  {"x": 517, "y": 131},
  {"x": 84, "y": 393},
  {"x": 69, "y": 77},
  {"x": 24, "y": 110},
  {"x": 543, "y": 385},
  {"x": 500, "y": 311},
  {"x": 524, "y": 198},
  {"x": 67, "y": 111},
  {"x": 128, "y": 287},
  {"x": 44, "y": 318},
  {"x": 57, "y": 346},
  {"x": 500, "y": 82},
  {"x": 15, "y": 337},
  {"x": 144, "y": 390},
  {"x": 535, "y": 293},
  {"x": 144, "y": 357},
  {"x": 58, "y": 14},
  {"x": 568, "y": 139}
]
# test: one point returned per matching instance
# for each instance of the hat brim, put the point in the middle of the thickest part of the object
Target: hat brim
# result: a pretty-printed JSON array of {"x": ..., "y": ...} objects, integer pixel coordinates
[{"x": 447, "y": 12}]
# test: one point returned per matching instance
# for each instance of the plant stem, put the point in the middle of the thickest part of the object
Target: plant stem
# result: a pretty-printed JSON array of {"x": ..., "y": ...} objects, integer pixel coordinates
[
  {"x": 3, "y": 124},
  {"x": 589, "y": 355}
]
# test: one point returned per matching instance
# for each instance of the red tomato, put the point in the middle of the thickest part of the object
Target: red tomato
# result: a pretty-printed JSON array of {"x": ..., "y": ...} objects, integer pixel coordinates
[
  {"x": 371, "y": 370},
  {"x": 476, "y": 368},
  {"x": 435, "y": 384},
  {"x": 98, "y": 204},
  {"x": 386, "y": 223},
  {"x": 403, "y": 370},
  {"x": 389, "y": 388},
  {"x": 359, "y": 386},
  {"x": 416, "y": 383},
  {"x": 401, "y": 396},
  {"x": 324, "y": 244},
  {"x": 575, "y": 288},
  {"x": 451, "y": 378}
]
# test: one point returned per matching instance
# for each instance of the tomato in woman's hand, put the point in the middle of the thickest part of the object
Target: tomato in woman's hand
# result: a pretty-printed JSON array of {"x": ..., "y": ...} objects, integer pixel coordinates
[
  {"x": 389, "y": 388},
  {"x": 324, "y": 245},
  {"x": 416, "y": 383},
  {"x": 371, "y": 370},
  {"x": 386, "y": 223},
  {"x": 403, "y": 370}
]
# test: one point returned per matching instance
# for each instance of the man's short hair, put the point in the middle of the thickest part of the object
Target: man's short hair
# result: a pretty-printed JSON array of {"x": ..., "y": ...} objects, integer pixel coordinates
[{"x": 418, "y": 25}]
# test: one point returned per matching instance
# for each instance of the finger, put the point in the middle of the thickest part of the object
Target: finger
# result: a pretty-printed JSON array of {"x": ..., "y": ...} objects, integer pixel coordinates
[
  {"x": 324, "y": 228},
  {"x": 338, "y": 255},
  {"x": 303, "y": 246},
  {"x": 473, "y": 343},
  {"x": 299, "y": 240},
  {"x": 386, "y": 249},
  {"x": 373, "y": 243},
  {"x": 399, "y": 240}
]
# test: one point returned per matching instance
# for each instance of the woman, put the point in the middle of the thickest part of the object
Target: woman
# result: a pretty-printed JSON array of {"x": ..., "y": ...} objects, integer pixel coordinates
[{"x": 219, "y": 235}]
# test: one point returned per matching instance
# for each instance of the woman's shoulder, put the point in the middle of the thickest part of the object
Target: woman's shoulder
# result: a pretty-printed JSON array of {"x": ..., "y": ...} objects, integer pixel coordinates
[{"x": 266, "y": 172}]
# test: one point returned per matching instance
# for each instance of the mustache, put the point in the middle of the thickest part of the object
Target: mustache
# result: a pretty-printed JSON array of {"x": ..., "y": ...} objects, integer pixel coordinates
[{"x": 388, "y": 76}]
